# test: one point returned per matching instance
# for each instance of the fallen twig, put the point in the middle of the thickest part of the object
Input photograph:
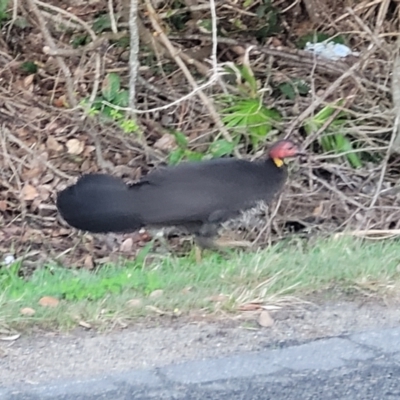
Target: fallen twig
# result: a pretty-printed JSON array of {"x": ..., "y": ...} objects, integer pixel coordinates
[
  {"x": 48, "y": 164},
  {"x": 383, "y": 233},
  {"x": 51, "y": 43}
]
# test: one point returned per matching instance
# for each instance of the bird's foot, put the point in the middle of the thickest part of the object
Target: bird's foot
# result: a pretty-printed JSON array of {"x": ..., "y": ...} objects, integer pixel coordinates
[
  {"x": 224, "y": 247},
  {"x": 198, "y": 254},
  {"x": 225, "y": 242}
]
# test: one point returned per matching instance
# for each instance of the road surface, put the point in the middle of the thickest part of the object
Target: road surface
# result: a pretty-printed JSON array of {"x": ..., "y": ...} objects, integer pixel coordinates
[{"x": 362, "y": 365}]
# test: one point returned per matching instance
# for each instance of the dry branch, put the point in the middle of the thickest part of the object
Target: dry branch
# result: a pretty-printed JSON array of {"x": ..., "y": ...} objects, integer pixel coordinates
[
  {"x": 329, "y": 91},
  {"x": 134, "y": 52},
  {"x": 175, "y": 54},
  {"x": 396, "y": 96}
]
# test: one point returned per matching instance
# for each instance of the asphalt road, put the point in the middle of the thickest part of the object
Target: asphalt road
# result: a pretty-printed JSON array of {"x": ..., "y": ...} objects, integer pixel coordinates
[{"x": 359, "y": 366}]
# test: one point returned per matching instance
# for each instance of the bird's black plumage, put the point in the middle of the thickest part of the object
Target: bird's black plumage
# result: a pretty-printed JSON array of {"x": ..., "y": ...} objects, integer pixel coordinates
[{"x": 198, "y": 196}]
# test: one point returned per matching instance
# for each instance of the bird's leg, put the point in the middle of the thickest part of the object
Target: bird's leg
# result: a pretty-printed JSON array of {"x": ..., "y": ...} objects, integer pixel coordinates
[
  {"x": 220, "y": 245},
  {"x": 197, "y": 253},
  {"x": 205, "y": 239},
  {"x": 203, "y": 243},
  {"x": 219, "y": 216},
  {"x": 162, "y": 240}
]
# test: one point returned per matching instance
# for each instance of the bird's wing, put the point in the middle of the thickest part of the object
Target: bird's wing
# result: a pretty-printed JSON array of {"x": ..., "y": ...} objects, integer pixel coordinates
[{"x": 194, "y": 191}]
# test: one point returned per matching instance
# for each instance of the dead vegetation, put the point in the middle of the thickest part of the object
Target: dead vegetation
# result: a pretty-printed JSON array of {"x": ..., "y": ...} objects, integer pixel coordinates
[{"x": 47, "y": 140}]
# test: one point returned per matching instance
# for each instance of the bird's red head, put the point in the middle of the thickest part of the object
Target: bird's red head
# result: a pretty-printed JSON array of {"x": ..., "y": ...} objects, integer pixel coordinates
[{"x": 283, "y": 149}]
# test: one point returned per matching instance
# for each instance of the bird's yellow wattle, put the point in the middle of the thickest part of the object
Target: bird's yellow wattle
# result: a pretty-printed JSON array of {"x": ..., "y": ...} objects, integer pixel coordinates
[{"x": 278, "y": 162}]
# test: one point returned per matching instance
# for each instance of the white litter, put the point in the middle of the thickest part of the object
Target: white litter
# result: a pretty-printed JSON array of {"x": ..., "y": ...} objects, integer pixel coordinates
[
  {"x": 330, "y": 50},
  {"x": 8, "y": 259}
]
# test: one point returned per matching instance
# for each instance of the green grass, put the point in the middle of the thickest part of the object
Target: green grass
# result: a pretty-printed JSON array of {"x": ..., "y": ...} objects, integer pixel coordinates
[{"x": 294, "y": 268}]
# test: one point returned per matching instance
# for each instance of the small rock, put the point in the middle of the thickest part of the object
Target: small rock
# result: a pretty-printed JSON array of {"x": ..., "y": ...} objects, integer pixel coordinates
[
  {"x": 265, "y": 319},
  {"x": 27, "y": 311},
  {"x": 53, "y": 144},
  {"x": 48, "y": 301},
  {"x": 75, "y": 146},
  {"x": 127, "y": 245},
  {"x": 29, "y": 193},
  {"x": 134, "y": 303},
  {"x": 218, "y": 298},
  {"x": 88, "y": 263},
  {"x": 85, "y": 324},
  {"x": 166, "y": 142},
  {"x": 156, "y": 293}
]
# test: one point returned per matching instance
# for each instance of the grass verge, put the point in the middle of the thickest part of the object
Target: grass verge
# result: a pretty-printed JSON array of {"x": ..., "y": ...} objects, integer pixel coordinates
[{"x": 288, "y": 269}]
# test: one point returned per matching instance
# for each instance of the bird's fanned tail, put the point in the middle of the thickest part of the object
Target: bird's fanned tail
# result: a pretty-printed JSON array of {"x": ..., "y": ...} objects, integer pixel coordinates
[{"x": 99, "y": 203}]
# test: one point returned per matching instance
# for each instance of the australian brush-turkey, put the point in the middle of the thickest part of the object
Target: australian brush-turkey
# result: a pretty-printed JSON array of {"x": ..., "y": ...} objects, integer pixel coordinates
[{"x": 197, "y": 196}]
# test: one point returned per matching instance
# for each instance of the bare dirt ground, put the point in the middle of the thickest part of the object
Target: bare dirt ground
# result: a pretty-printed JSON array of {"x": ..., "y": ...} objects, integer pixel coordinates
[{"x": 45, "y": 356}]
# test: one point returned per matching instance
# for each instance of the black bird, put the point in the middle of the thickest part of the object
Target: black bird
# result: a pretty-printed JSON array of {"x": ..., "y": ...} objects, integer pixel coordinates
[{"x": 197, "y": 196}]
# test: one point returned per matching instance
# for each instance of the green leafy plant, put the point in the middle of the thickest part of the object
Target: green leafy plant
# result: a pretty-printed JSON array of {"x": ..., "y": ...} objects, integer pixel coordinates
[
  {"x": 80, "y": 40},
  {"x": 222, "y": 147},
  {"x": 4, "y": 14},
  {"x": 10, "y": 277},
  {"x": 112, "y": 93},
  {"x": 252, "y": 117},
  {"x": 293, "y": 88},
  {"x": 245, "y": 79},
  {"x": 269, "y": 15},
  {"x": 177, "y": 15},
  {"x": 182, "y": 152},
  {"x": 102, "y": 23},
  {"x": 334, "y": 139},
  {"x": 29, "y": 67},
  {"x": 246, "y": 115}
]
